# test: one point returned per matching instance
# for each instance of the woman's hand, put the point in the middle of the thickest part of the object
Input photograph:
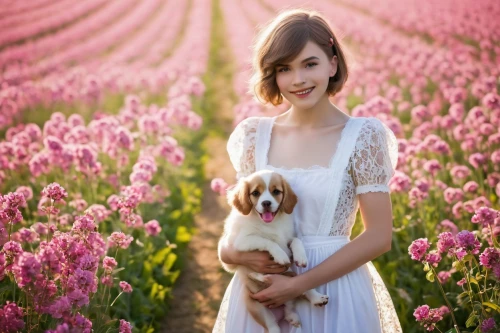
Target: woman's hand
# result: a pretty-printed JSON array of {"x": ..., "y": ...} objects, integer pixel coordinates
[
  {"x": 260, "y": 262},
  {"x": 281, "y": 289}
]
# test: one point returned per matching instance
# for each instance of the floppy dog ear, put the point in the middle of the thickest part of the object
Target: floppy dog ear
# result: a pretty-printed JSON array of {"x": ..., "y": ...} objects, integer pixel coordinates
[
  {"x": 239, "y": 198},
  {"x": 289, "y": 198}
]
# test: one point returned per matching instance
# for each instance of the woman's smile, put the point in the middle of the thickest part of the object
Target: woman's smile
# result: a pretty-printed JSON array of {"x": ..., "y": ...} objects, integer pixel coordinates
[{"x": 303, "y": 93}]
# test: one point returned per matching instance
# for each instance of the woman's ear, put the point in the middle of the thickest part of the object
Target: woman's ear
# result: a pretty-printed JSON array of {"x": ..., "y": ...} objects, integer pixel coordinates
[
  {"x": 239, "y": 197},
  {"x": 334, "y": 65},
  {"x": 289, "y": 198}
]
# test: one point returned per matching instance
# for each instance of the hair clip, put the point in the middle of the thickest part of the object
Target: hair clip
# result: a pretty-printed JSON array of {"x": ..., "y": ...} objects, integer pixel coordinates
[{"x": 331, "y": 42}]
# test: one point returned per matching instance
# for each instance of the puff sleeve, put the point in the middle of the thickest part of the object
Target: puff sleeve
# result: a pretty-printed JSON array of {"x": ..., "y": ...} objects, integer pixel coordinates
[
  {"x": 241, "y": 147},
  {"x": 375, "y": 157}
]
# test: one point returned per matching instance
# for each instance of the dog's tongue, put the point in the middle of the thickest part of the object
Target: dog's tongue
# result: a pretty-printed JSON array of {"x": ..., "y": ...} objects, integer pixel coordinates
[{"x": 267, "y": 217}]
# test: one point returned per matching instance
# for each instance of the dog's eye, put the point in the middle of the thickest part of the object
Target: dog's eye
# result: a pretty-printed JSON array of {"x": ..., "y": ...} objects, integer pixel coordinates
[
  {"x": 255, "y": 193},
  {"x": 276, "y": 192}
]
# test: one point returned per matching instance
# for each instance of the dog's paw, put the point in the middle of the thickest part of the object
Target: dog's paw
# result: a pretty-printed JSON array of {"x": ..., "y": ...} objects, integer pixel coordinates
[
  {"x": 321, "y": 301},
  {"x": 257, "y": 277},
  {"x": 281, "y": 258},
  {"x": 300, "y": 260},
  {"x": 316, "y": 298},
  {"x": 293, "y": 319}
]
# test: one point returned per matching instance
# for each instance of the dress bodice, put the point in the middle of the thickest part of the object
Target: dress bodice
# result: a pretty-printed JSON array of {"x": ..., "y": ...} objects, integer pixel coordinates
[{"x": 364, "y": 161}]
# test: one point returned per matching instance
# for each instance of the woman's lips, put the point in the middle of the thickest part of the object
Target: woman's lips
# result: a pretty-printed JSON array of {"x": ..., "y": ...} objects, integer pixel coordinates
[{"x": 304, "y": 93}]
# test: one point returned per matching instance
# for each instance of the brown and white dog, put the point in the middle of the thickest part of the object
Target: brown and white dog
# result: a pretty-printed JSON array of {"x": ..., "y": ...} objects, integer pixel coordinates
[{"x": 260, "y": 219}]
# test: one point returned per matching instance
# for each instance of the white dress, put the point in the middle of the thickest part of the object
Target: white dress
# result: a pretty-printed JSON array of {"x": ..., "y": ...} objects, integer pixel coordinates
[{"x": 324, "y": 215}]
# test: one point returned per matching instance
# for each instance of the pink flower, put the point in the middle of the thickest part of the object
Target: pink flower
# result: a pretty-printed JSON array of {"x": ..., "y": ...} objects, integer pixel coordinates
[
  {"x": 461, "y": 282},
  {"x": 418, "y": 249},
  {"x": 107, "y": 280},
  {"x": 486, "y": 216},
  {"x": 125, "y": 326},
  {"x": 81, "y": 324},
  {"x": 446, "y": 242},
  {"x": 468, "y": 241},
  {"x": 490, "y": 257},
  {"x": 109, "y": 263},
  {"x": 120, "y": 239},
  {"x": 432, "y": 166},
  {"x": 488, "y": 324},
  {"x": 427, "y": 317},
  {"x": 78, "y": 298},
  {"x": 452, "y": 195},
  {"x": 12, "y": 249},
  {"x": 444, "y": 276},
  {"x": 460, "y": 172},
  {"x": 471, "y": 187},
  {"x": 14, "y": 200},
  {"x": 477, "y": 160},
  {"x": 400, "y": 182},
  {"x": 28, "y": 235},
  {"x": 54, "y": 192},
  {"x": 26, "y": 269},
  {"x": 84, "y": 223},
  {"x": 61, "y": 307},
  {"x": 11, "y": 318},
  {"x": 26, "y": 191},
  {"x": 433, "y": 258},
  {"x": 444, "y": 310},
  {"x": 126, "y": 288},
  {"x": 152, "y": 228},
  {"x": 78, "y": 204},
  {"x": 449, "y": 226},
  {"x": 86, "y": 281}
]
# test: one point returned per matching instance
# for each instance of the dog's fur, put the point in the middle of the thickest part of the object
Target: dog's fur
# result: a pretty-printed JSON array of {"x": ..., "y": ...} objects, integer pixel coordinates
[{"x": 246, "y": 229}]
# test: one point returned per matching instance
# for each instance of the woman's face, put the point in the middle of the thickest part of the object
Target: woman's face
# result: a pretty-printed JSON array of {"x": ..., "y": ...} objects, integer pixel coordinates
[{"x": 304, "y": 80}]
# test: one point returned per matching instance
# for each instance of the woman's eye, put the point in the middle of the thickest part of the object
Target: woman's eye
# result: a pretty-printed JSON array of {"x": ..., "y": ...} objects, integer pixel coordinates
[
  {"x": 311, "y": 64},
  {"x": 282, "y": 69}
]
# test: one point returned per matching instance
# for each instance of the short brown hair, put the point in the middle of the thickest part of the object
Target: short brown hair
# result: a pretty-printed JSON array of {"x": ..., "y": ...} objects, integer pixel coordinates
[{"x": 282, "y": 40}]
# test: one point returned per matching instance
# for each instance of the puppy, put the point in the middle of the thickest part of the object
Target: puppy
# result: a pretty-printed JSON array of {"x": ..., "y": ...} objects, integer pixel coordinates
[{"x": 260, "y": 219}]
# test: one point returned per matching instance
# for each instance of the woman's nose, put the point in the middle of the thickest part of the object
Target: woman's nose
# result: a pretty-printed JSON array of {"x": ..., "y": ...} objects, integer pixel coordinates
[{"x": 298, "y": 78}]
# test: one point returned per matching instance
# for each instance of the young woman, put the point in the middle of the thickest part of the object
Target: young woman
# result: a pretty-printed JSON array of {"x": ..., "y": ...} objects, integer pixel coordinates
[{"x": 335, "y": 164}]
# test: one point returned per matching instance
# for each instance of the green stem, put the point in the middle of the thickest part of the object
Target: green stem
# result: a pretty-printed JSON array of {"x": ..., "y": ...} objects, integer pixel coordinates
[
  {"x": 446, "y": 299},
  {"x": 116, "y": 298}
]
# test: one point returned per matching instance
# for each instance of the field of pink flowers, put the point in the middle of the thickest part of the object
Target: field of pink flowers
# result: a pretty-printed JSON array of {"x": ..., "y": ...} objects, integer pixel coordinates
[{"x": 101, "y": 105}]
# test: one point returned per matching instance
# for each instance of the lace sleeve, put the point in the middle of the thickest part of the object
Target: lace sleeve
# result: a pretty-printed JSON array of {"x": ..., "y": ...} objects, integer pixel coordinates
[
  {"x": 375, "y": 157},
  {"x": 241, "y": 147}
]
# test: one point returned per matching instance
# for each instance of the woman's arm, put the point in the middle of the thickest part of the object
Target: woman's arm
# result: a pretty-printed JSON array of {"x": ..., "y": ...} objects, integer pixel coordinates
[
  {"x": 376, "y": 212},
  {"x": 258, "y": 261}
]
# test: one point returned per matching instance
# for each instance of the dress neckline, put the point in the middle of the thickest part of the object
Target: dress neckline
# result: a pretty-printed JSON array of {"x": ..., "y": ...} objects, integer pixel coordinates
[{"x": 311, "y": 168}]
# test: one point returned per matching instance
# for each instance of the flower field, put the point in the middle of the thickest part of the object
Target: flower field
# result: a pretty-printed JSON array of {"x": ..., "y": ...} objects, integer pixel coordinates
[{"x": 104, "y": 106}]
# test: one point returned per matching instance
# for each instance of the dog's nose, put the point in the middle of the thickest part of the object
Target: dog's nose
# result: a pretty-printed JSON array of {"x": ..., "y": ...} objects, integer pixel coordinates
[{"x": 266, "y": 203}]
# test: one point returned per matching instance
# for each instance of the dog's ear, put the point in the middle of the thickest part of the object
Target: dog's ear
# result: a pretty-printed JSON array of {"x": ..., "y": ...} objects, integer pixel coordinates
[
  {"x": 289, "y": 198},
  {"x": 239, "y": 197}
]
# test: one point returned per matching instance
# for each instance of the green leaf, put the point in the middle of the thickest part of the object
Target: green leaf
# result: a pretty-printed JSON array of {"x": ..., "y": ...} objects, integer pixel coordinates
[
  {"x": 159, "y": 257},
  {"x": 468, "y": 257},
  {"x": 426, "y": 267},
  {"x": 453, "y": 330},
  {"x": 473, "y": 318},
  {"x": 458, "y": 265},
  {"x": 492, "y": 305},
  {"x": 183, "y": 236},
  {"x": 430, "y": 276},
  {"x": 169, "y": 262},
  {"x": 473, "y": 280}
]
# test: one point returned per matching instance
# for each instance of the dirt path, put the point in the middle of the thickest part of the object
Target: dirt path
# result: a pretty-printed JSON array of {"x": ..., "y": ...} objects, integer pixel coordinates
[{"x": 201, "y": 285}]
